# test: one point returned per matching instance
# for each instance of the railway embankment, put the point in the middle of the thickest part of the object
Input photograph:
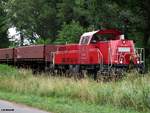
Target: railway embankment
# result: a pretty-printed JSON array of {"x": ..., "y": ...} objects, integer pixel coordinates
[{"x": 66, "y": 95}]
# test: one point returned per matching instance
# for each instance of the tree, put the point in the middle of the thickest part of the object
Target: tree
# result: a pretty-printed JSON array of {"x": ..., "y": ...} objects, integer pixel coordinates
[
  {"x": 34, "y": 17},
  {"x": 76, "y": 10},
  {"x": 4, "y": 41},
  {"x": 70, "y": 33},
  {"x": 140, "y": 21},
  {"x": 103, "y": 14}
]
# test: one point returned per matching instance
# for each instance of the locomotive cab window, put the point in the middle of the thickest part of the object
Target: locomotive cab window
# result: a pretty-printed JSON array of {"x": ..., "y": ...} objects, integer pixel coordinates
[
  {"x": 85, "y": 40},
  {"x": 96, "y": 38},
  {"x": 106, "y": 37},
  {"x": 101, "y": 37}
]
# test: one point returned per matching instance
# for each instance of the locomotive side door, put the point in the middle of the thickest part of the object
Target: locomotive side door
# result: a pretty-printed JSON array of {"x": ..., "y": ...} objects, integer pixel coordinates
[
  {"x": 84, "y": 54},
  {"x": 83, "y": 50}
]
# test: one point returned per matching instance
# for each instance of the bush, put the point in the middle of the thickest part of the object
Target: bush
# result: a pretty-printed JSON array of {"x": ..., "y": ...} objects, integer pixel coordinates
[
  {"x": 70, "y": 33},
  {"x": 42, "y": 41}
]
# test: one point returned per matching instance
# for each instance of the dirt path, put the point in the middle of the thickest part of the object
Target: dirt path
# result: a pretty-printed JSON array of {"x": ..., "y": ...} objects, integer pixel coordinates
[{"x": 10, "y": 107}]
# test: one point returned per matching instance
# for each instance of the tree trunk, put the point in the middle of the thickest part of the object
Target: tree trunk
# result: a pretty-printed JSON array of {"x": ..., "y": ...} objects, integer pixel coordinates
[{"x": 21, "y": 39}]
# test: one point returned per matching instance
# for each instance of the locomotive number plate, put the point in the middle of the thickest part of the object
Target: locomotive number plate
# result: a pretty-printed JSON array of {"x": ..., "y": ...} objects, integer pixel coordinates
[{"x": 123, "y": 49}]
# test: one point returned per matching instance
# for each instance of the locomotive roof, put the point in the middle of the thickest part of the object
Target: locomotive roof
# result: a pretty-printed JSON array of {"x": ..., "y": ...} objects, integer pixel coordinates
[
  {"x": 86, "y": 37},
  {"x": 90, "y": 33},
  {"x": 115, "y": 32}
]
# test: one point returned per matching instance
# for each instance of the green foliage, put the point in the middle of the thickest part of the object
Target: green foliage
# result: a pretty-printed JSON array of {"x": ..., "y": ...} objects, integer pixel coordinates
[
  {"x": 34, "y": 16},
  {"x": 139, "y": 22},
  {"x": 43, "y": 41},
  {"x": 4, "y": 42},
  {"x": 46, "y": 18},
  {"x": 70, "y": 33}
]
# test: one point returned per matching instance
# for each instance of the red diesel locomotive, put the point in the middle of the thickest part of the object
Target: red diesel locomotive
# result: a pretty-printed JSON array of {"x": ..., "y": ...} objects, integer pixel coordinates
[{"x": 101, "y": 51}]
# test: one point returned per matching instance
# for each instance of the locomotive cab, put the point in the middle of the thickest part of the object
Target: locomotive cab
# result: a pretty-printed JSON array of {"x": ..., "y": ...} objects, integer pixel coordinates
[
  {"x": 100, "y": 50},
  {"x": 114, "y": 49}
]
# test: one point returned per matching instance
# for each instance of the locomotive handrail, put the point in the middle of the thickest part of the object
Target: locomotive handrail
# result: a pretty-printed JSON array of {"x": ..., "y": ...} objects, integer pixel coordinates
[
  {"x": 109, "y": 59},
  {"x": 53, "y": 55},
  {"x": 100, "y": 61},
  {"x": 141, "y": 53}
]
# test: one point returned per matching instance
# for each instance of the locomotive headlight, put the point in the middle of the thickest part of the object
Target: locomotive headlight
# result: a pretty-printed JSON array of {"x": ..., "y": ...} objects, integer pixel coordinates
[
  {"x": 138, "y": 61},
  {"x": 123, "y": 41},
  {"x": 121, "y": 61}
]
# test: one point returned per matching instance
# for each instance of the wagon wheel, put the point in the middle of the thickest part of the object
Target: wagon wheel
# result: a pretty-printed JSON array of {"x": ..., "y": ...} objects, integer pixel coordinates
[{"x": 50, "y": 70}]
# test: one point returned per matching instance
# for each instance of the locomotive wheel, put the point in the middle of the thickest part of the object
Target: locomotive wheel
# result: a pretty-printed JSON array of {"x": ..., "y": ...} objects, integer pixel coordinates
[
  {"x": 103, "y": 76},
  {"x": 100, "y": 76},
  {"x": 141, "y": 69},
  {"x": 119, "y": 74},
  {"x": 111, "y": 75},
  {"x": 92, "y": 74},
  {"x": 74, "y": 71}
]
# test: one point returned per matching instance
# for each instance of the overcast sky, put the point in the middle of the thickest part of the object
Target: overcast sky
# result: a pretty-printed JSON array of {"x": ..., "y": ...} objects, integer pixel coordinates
[
  {"x": 15, "y": 36},
  {"x": 12, "y": 34}
]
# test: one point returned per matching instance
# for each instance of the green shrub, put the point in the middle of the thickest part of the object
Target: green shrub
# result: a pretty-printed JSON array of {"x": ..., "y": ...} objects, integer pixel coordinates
[{"x": 70, "y": 33}]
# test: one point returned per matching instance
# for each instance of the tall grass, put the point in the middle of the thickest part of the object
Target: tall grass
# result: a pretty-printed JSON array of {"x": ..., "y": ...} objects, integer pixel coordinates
[{"x": 133, "y": 91}]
